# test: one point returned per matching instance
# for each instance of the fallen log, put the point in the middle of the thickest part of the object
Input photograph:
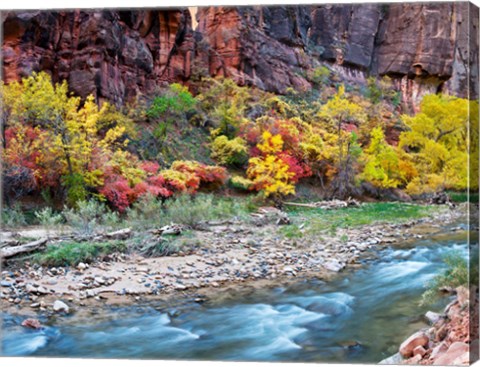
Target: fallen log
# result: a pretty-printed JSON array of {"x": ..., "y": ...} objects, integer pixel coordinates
[
  {"x": 9, "y": 242},
  {"x": 7, "y": 252},
  {"x": 172, "y": 229},
  {"x": 122, "y": 234}
]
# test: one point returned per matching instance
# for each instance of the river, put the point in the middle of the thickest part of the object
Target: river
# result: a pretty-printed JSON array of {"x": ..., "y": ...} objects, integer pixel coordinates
[{"x": 362, "y": 315}]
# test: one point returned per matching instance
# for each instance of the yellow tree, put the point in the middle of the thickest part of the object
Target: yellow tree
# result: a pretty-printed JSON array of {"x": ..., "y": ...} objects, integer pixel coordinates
[
  {"x": 75, "y": 130},
  {"x": 337, "y": 113},
  {"x": 268, "y": 172},
  {"x": 381, "y": 162},
  {"x": 437, "y": 142}
]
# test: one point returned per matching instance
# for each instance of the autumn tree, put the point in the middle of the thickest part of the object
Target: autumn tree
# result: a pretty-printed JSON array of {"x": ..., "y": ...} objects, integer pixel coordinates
[
  {"x": 75, "y": 136},
  {"x": 339, "y": 113},
  {"x": 437, "y": 142},
  {"x": 382, "y": 164},
  {"x": 268, "y": 172}
]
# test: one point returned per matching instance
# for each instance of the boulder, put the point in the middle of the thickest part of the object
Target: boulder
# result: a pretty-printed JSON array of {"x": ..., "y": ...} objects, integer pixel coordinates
[
  {"x": 457, "y": 353},
  {"x": 432, "y": 317},
  {"x": 463, "y": 296},
  {"x": 415, "y": 340},
  {"x": 439, "y": 350},
  {"x": 419, "y": 351}
]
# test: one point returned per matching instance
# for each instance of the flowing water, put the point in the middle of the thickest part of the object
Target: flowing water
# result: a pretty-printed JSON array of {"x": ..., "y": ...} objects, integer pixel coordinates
[{"x": 360, "y": 316}]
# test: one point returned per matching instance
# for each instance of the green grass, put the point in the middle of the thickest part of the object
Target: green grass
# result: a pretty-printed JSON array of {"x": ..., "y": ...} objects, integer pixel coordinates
[
  {"x": 319, "y": 220},
  {"x": 72, "y": 253},
  {"x": 459, "y": 271},
  {"x": 462, "y": 197},
  {"x": 291, "y": 231}
]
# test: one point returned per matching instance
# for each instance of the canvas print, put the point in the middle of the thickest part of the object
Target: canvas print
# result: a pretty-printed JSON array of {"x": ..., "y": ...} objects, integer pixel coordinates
[{"x": 241, "y": 183}]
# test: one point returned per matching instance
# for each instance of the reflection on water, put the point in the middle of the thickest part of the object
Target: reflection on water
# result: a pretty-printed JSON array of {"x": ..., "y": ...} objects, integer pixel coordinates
[{"x": 362, "y": 316}]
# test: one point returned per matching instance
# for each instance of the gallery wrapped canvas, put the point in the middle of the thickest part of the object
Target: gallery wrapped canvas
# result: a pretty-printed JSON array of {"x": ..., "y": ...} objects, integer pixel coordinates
[{"x": 281, "y": 183}]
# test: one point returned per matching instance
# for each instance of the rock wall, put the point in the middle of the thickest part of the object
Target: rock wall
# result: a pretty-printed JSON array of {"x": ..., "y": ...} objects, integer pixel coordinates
[
  {"x": 425, "y": 48},
  {"x": 113, "y": 54}
]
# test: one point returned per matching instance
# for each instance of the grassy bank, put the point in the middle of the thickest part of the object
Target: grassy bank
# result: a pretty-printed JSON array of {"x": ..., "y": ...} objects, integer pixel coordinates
[{"x": 317, "y": 221}]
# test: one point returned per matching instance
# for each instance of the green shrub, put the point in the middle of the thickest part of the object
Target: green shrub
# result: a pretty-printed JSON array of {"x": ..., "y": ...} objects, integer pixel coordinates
[
  {"x": 319, "y": 75},
  {"x": 457, "y": 273},
  {"x": 188, "y": 210},
  {"x": 47, "y": 217},
  {"x": 86, "y": 217},
  {"x": 156, "y": 246},
  {"x": 72, "y": 253},
  {"x": 229, "y": 151},
  {"x": 145, "y": 213},
  {"x": 13, "y": 217}
]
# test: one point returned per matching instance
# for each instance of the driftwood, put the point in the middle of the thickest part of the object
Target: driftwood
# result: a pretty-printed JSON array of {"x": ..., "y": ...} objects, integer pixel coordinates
[
  {"x": 331, "y": 204},
  {"x": 122, "y": 234},
  {"x": 171, "y": 229},
  {"x": 268, "y": 214},
  {"x": 7, "y": 252},
  {"x": 9, "y": 242}
]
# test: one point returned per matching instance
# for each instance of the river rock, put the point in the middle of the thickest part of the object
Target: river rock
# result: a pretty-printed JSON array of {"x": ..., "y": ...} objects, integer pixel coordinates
[
  {"x": 463, "y": 296},
  {"x": 59, "y": 306},
  {"x": 415, "y": 340},
  {"x": 457, "y": 353},
  {"x": 334, "y": 265},
  {"x": 419, "y": 351},
  {"x": 395, "y": 359},
  {"x": 432, "y": 317},
  {"x": 439, "y": 350},
  {"x": 32, "y": 324}
]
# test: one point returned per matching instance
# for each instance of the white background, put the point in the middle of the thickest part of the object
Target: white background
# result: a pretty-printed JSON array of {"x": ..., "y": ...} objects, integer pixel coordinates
[{"x": 63, "y": 4}]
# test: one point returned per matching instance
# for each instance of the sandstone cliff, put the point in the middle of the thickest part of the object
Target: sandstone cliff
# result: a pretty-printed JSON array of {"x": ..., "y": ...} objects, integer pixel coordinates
[{"x": 116, "y": 55}]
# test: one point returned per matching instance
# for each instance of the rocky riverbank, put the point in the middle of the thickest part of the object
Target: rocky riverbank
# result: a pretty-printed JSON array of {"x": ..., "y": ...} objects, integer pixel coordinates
[
  {"x": 452, "y": 338},
  {"x": 231, "y": 253}
]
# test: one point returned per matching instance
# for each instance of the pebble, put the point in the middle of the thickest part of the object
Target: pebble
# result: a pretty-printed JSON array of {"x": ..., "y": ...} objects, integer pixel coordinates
[{"x": 59, "y": 306}]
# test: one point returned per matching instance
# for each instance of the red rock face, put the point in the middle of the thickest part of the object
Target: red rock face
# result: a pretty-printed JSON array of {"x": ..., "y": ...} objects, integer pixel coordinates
[
  {"x": 114, "y": 55},
  {"x": 117, "y": 55},
  {"x": 261, "y": 46}
]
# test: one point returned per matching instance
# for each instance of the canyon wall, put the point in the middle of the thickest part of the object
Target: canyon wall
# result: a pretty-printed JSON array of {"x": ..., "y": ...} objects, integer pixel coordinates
[{"x": 424, "y": 47}]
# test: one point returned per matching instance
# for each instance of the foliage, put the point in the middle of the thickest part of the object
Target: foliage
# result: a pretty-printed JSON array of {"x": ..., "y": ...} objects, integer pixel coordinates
[
  {"x": 185, "y": 209},
  {"x": 382, "y": 165},
  {"x": 229, "y": 151},
  {"x": 191, "y": 210},
  {"x": 48, "y": 218},
  {"x": 319, "y": 75},
  {"x": 437, "y": 142},
  {"x": 175, "y": 101},
  {"x": 86, "y": 217},
  {"x": 456, "y": 273},
  {"x": 339, "y": 113},
  {"x": 241, "y": 183},
  {"x": 151, "y": 246},
  {"x": 226, "y": 104},
  {"x": 268, "y": 171},
  {"x": 65, "y": 137},
  {"x": 13, "y": 216},
  {"x": 73, "y": 253},
  {"x": 381, "y": 89}
]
